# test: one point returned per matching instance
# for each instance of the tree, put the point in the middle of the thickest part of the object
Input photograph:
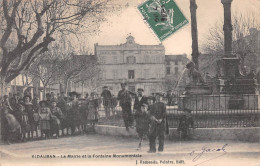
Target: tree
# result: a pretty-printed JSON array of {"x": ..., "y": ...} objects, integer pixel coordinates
[
  {"x": 46, "y": 69},
  {"x": 88, "y": 76},
  {"x": 242, "y": 45},
  {"x": 28, "y": 27},
  {"x": 27, "y": 79},
  {"x": 78, "y": 68},
  {"x": 170, "y": 82}
]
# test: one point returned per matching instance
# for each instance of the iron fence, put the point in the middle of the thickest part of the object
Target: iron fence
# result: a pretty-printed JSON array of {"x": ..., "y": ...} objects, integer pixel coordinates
[{"x": 207, "y": 111}]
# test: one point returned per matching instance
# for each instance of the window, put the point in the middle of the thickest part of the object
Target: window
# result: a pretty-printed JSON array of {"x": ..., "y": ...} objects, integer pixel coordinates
[
  {"x": 146, "y": 73},
  {"x": 115, "y": 74},
  {"x": 176, "y": 70},
  {"x": 103, "y": 74},
  {"x": 158, "y": 60},
  {"x": 131, "y": 59},
  {"x": 131, "y": 74},
  {"x": 168, "y": 70},
  {"x": 115, "y": 59},
  {"x": 176, "y": 62},
  {"x": 102, "y": 59},
  {"x": 146, "y": 59},
  {"x": 153, "y": 59},
  {"x": 131, "y": 88},
  {"x": 158, "y": 74}
]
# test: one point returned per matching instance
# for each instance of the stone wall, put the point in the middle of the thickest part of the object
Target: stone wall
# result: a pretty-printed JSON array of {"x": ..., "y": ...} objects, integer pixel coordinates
[{"x": 218, "y": 102}]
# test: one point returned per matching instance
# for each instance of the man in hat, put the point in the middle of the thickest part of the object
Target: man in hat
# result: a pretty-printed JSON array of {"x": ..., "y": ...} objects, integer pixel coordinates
[
  {"x": 139, "y": 99},
  {"x": 125, "y": 100},
  {"x": 170, "y": 98},
  {"x": 150, "y": 100},
  {"x": 107, "y": 97},
  {"x": 158, "y": 119}
]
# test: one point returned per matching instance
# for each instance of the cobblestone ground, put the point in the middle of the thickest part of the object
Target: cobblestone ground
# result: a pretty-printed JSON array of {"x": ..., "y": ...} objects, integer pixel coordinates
[{"x": 109, "y": 150}]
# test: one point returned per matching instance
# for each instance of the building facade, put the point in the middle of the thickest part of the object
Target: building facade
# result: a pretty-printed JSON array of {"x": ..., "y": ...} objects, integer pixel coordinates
[
  {"x": 175, "y": 64},
  {"x": 140, "y": 66},
  {"x": 174, "y": 68}
]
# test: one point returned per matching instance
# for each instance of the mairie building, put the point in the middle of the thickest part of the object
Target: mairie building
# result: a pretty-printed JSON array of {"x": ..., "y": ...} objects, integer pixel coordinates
[{"x": 140, "y": 66}]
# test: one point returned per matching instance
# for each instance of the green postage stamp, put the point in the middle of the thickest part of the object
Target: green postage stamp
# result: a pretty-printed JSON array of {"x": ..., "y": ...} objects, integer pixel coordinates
[{"x": 163, "y": 16}]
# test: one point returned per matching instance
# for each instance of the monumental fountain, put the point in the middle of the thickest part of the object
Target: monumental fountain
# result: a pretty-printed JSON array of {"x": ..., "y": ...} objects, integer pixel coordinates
[{"x": 230, "y": 89}]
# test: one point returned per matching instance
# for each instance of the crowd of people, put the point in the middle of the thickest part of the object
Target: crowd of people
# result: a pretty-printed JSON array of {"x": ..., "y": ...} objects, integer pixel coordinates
[
  {"x": 149, "y": 113},
  {"x": 61, "y": 115},
  {"x": 24, "y": 117}
]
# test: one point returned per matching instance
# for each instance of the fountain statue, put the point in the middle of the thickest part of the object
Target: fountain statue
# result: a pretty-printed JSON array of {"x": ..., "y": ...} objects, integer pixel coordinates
[{"x": 196, "y": 85}]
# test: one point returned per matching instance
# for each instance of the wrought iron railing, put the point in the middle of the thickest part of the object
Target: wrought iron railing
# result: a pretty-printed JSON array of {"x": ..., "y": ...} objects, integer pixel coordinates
[{"x": 209, "y": 111}]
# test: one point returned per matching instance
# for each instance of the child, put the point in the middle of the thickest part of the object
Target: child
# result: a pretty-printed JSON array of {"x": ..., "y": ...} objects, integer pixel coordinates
[
  {"x": 186, "y": 121},
  {"x": 142, "y": 123},
  {"x": 22, "y": 117},
  {"x": 45, "y": 115},
  {"x": 55, "y": 118}
]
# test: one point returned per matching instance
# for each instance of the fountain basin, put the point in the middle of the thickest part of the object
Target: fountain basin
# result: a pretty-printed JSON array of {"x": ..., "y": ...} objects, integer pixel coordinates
[{"x": 219, "y": 102}]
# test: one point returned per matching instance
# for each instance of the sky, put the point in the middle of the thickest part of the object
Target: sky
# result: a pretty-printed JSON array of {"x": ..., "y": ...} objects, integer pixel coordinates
[{"x": 118, "y": 26}]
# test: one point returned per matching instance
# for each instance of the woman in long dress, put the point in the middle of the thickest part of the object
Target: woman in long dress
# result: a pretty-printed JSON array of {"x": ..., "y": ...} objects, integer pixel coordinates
[
  {"x": 11, "y": 126},
  {"x": 22, "y": 118},
  {"x": 45, "y": 116},
  {"x": 75, "y": 113},
  {"x": 29, "y": 108},
  {"x": 83, "y": 114}
]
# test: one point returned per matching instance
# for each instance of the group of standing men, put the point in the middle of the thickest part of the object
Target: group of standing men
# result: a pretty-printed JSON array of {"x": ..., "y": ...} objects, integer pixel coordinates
[{"x": 150, "y": 116}]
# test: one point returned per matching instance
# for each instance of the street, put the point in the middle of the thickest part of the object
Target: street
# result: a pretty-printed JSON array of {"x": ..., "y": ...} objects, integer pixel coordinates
[{"x": 101, "y": 149}]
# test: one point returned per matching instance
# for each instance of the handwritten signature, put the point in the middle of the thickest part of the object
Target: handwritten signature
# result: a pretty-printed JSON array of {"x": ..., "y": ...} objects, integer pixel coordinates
[{"x": 205, "y": 150}]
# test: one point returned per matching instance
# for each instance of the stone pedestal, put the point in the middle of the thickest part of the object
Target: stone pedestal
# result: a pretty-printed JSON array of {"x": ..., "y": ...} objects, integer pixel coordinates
[
  {"x": 232, "y": 82},
  {"x": 197, "y": 90},
  {"x": 230, "y": 67},
  {"x": 220, "y": 102}
]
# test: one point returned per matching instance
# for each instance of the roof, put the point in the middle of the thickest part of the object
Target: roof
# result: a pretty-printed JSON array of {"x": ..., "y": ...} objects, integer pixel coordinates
[
  {"x": 129, "y": 44},
  {"x": 180, "y": 57}
]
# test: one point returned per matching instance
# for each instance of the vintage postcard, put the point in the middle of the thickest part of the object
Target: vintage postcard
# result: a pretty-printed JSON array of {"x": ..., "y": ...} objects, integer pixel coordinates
[{"x": 129, "y": 82}]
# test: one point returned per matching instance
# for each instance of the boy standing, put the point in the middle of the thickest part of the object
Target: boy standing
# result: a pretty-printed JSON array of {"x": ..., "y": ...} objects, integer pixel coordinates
[{"x": 158, "y": 120}]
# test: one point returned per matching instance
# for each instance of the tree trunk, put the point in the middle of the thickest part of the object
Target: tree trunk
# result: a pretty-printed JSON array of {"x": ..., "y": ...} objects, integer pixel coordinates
[
  {"x": 3, "y": 86},
  {"x": 15, "y": 87},
  {"x": 44, "y": 92},
  {"x": 82, "y": 88},
  {"x": 66, "y": 82}
]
